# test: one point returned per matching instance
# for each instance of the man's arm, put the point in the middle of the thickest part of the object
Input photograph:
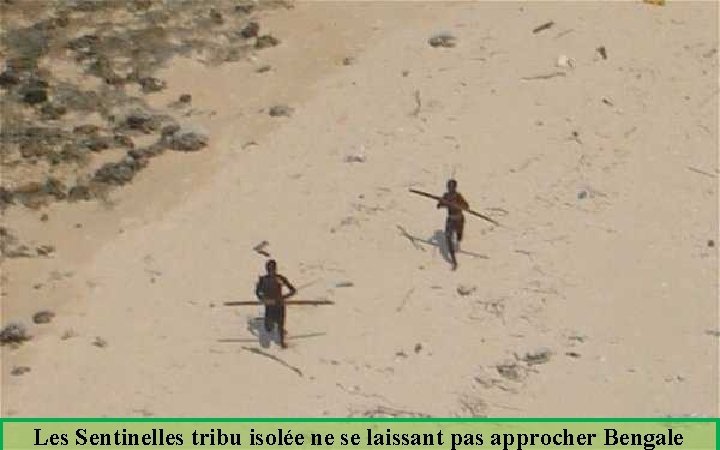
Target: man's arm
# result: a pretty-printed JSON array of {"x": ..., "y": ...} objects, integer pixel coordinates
[
  {"x": 442, "y": 203},
  {"x": 258, "y": 290},
  {"x": 290, "y": 287},
  {"x": 462, "y": 202}
]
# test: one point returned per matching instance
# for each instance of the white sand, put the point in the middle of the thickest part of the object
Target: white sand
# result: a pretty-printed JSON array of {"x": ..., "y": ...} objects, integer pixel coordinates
[{"x": 627, "y": 268}]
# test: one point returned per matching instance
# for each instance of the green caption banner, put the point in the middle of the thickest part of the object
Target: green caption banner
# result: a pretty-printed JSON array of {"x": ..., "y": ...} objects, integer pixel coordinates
[{"x": 352, "y": 434}]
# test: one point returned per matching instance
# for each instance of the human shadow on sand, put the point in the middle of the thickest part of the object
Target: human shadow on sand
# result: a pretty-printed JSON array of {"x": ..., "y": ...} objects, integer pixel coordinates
[
  {"x": 438, "y": 241},
  {"x": 256, "y": 327}
]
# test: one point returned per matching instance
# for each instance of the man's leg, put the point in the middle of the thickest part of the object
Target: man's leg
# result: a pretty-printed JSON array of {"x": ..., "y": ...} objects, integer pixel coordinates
[
  {"x": 268, "y": 319},
  {"x": 281, "y": 327},
  {"x": 449, "y": 230}
]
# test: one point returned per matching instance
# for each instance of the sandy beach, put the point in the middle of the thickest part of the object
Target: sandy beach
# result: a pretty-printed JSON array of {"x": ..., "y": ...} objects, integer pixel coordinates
[{"x": 597, "y": 296}]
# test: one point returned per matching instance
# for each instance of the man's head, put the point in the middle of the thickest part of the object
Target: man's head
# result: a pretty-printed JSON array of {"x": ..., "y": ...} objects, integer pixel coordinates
[
  {"x": 451, "y": 185},
  {"x": 271, "y": 267}
]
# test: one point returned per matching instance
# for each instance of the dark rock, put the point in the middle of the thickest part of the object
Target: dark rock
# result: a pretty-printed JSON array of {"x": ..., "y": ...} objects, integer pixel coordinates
[
  {"x": 141, "y": 5},
  {"x": 140, "y": 157},
  {"x": 42, "y": 317},
  {"x": 169, "y": 130},
  {"x": 84, "y": 43},
  {"x": 33, "y": 96},
  {"x": 187, "y": 141},
  {"x": 216, "y": 16},
  {"x": 123, "y": 141},
  {"x": 45, "y": 250},
  {"x": 31, "y": 194},
  {"x": 73, "y": 153},
  {"x": 537, "y": 357},
  {"x": 13, "y": 333},
  {"x": 251, "y": 30},
  {"x": 246, "y": 7},
  {"x": 98, "y": 143},
  {"x": 185, "y": 98},
  {"x": 102, "y": 68},
  {"x": 710, "y": 243},
  {"x": 465, "y": 290},
  {"x": 266, "y": 41},
  {"x": 19, "y": 370},
  {"x": 602, "y": 52},
  {"x": 281, "y": 110},
  {"x": 142, "y": 121},
  {"x": 9, "y": 78},
  {"x": 442, "y": 40},
  {"x": 90, "y": 5},
  {"x": 344, "y": 284},
  {"x": 117, "y": 173},
  {"x": 100, "y": 342},
  {"x": 264, "y": 68},
  {"x": 79, "y": 192},
  {"x": 6, "y": 197},
  {"x": 511, "y": 371},
  {"x": 50, "y": 111},
  {"x": 86, "y": 129},
  {"x": 348, "y": 61},
  {"x": 152, "y": 84},
  {"x": 55, "y": 188}
]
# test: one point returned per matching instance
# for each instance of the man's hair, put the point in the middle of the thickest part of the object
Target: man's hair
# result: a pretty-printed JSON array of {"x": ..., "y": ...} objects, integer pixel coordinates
[
  {"x": 271, "y": 264},
  {"x": 452, "y": 181}
]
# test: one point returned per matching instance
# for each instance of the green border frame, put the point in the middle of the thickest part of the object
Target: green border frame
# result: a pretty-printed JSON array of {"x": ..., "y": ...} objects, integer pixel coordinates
[{"x": 716, "y": 421}]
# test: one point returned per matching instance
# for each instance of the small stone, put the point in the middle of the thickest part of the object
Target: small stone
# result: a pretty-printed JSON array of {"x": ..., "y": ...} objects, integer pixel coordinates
[
  {"x": 348, "y": 61},
  {"x": 13, "y": 333},
  {"x": 442, "y": 40},
  {"x": 35, "y": 95},
  {"x": 358, "y": 158},
  {"x": 185, "y": 98},
  {"x": 710, "y": 243},
  {"x": 19, "y": 370},
  {"x": 152, "y": 84},
  {"x": 68, "y": 334},
  {"x": 601, "y": 50},
  {"x": 582, "y": 195},
  {"x": 116, "y": 173},
  {"x": 9, "y": 78},
  {"x": 44, "y": 218},
  {"x": 344, "y": 284},
  {"x": 537, "y": 357},
  {"x": 50, "y": 111},
  {"x": 281, "y": 110},
  {"x": 45, "y": 250},
  {"x": 251, "y": 30},
  {"x": 264, "y": 68},
  {"x": 216, "y": 16},
  {"x": 405, "y": 73},
  {"x": 79, "y": 192},
  {"x": 465, "y": 290},
  {"x": 187, "y": 141},
  {"x": 266, "y": 41},
  {"x": 43, "y": 317},
  {"x": 573, "y": 354},
  {"x": 418, "y": 347},
  {"x": 100, "y": 342}
]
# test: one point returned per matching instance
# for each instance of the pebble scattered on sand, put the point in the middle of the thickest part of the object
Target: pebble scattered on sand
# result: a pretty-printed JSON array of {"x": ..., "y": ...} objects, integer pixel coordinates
[
  {"x": 446, "y": 40},
  {"x": 42, "y": 317}
]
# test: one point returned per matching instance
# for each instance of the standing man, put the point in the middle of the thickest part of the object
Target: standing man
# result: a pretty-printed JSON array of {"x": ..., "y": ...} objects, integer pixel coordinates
[
  {"x": 269, "y": 292},
  {"x": 455, "y": 204}
]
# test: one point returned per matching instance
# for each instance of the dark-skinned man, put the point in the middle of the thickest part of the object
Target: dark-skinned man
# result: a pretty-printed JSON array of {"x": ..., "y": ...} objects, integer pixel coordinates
[
  {"x": 269, "y": 292},
  {"x": 455, "y": 222}
]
